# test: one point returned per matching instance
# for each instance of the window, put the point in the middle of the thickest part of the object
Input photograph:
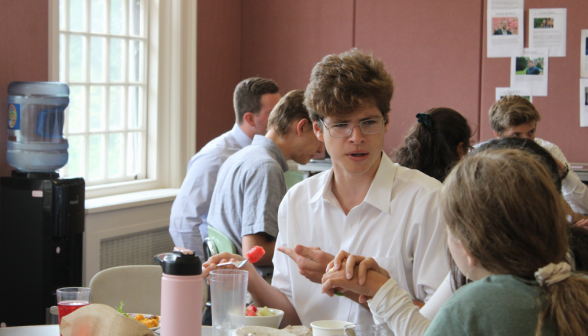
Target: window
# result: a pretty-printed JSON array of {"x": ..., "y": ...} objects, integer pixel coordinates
[
  {"x": 103, "y": 60},
  {"x": 124, "y": 61}
]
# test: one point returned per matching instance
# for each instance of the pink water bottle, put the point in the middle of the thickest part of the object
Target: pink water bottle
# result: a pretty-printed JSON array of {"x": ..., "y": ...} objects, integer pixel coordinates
[{"x": 181, "y": 293}]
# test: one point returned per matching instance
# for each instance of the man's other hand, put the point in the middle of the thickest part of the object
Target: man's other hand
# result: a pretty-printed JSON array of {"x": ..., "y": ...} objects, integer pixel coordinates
[{"x": 311, "y": 261}]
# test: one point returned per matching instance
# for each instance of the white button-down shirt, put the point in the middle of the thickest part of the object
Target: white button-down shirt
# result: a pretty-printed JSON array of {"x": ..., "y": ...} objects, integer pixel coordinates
[
  {"x": 573, "y": 189},
  {"x": 399, "y": 224},
  {"x": 190, "y": 208}
]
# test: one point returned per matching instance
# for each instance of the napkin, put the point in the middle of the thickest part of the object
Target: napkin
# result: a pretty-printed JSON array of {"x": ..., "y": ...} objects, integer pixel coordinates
[{"x": 101, "y": 320}]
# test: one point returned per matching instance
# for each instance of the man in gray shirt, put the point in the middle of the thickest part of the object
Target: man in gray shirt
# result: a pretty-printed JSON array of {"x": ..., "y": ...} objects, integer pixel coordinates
[
  {"x": 253, "y": 99},
  {"x": 251, "y": 184}
]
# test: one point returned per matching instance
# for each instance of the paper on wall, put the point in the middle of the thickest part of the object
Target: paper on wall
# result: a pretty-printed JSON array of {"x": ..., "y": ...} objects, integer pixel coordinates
[
  {"x": 530, "y": 71},
  {"x": 509, "y": 91},
  {"x": 547, "y": 29},
  {"x": 505, "y": 28},
  {"x": 584, "y": 102},
  {"x": 584, "y": 54}
]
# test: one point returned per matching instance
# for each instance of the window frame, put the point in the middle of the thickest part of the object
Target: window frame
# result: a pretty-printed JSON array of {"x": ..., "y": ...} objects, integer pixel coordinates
[{"x": 171, "y": 89}]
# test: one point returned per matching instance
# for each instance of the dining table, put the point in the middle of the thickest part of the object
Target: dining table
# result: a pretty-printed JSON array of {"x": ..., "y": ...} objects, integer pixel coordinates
[{"x": 53, "y": 330}]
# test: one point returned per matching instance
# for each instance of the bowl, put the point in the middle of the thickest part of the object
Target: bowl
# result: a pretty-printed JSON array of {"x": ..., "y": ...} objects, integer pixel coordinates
[
  {"x": 328, "y": 327},
  {"x": 265, "y": 321}
]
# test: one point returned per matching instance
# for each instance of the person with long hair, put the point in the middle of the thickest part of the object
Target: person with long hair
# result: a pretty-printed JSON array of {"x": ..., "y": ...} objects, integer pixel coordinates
[
  {"x": 508, "y": 233},
  {"x": 435, "y": 143}
]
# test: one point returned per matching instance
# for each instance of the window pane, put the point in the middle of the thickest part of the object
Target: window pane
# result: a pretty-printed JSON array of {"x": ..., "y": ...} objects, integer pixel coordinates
[
  {"x": 97, "y": 59},
  {"x": 135, "y": 60},
  {"x": 134, "y": 148},
  {"x": 76, "y": 15},
  {"x": 76, "y": 58},
  {"x": 135, "y": 24},
  {"x": 115, "y": 154},
  {"x": 96, "y": 157},
  {"x": 62, "y": 58},
  {"x": 116, "y": 59},
  {"x": 76, "y": 157},
  {"x": 97, "y": 16},
  {"x": 135, "y": 107},
  {"x": 76, "y": 109},
  {"x": 97, "y": 108},
  {"x": 116, "y": 16},
  {"x": 62, "y": 17},
  {"x": 116, "y": 107}
]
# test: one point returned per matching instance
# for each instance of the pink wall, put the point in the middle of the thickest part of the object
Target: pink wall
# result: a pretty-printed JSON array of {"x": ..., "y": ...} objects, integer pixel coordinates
[
  {"x": 218, "y": 67},
  {"x": 23, "y": 53},
  {"x": 283, "y": 40},
  {"x": 560, "y": 110},
  {"x": 435, "y": 51},
  {"x": 432, "y": 50}
]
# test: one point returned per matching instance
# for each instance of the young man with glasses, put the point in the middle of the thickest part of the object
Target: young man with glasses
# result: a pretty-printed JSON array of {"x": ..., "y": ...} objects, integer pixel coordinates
[{"x": 365, "y": 204}]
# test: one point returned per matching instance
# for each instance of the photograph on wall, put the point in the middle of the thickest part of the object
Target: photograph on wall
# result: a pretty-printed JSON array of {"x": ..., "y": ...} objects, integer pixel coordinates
[
  {"x": 547, "y": 29},
  {"x": 584, "y": 54},
  {"x": 505, "y": 28},
  {"x": 509, "y": 91},
  {"x": 543, "y": 23},
  {"x": 505, "y": 25},
  {"x": 584, "y": 102},
  {"x": 530, "y": 71},
  {"x": 529, "y": 65}
]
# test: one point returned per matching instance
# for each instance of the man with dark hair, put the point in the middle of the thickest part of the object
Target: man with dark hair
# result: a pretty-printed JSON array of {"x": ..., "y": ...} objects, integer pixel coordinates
[
  {"x": 365, "y": 204},
  {"x": 253, "y": 100},
  {"x": 251, "y": 182},
  {"x": 532, "y": 69}
]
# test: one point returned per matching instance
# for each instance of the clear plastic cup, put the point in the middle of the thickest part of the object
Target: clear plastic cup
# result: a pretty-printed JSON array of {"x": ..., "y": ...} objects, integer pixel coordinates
[
  {"x": 227, "y": 289},
  {"x": 364, "y": 330}
]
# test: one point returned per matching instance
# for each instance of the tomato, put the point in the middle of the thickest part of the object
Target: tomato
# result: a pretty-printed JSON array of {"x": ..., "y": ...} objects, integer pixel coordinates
[
  {"x": 251, "y": 311},
  {"x": 255, "y": 254}
]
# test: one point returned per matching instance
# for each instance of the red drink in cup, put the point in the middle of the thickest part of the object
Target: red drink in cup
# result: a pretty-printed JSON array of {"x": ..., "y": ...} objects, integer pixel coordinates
[
  {"x": 67, "y": 307},
  {"x": 70, "y": 299}
]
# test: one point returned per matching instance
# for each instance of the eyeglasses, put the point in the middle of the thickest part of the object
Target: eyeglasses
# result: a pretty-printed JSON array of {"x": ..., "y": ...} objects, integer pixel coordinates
[{"x": 342, "y": 130}]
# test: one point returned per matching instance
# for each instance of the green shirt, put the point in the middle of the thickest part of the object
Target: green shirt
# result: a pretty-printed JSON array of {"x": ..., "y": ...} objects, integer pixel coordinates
[{"x": 495, "y": 305}]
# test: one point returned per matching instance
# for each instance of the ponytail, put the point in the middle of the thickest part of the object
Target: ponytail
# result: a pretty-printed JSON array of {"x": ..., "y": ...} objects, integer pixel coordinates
[{"x": 565, "y": 306}]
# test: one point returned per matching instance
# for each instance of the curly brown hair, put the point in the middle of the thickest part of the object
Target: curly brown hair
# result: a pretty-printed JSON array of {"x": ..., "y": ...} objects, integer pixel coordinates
[{"x": 340, "y": 84}]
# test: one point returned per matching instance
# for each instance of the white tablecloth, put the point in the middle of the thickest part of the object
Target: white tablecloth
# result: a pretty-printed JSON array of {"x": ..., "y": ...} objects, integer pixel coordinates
[{"x": 53, "y": 330}]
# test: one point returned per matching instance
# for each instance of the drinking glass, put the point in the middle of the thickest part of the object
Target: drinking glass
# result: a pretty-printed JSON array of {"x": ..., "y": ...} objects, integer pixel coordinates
[
  {"x": 70, "y": 299},
  {"x": 364, "y": 330},
  {"x": 227, "y": 289}
]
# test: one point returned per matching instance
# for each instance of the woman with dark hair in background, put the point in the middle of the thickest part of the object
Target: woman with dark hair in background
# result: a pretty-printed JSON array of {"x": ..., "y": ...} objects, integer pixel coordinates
[{"x": 435, "y": 143}]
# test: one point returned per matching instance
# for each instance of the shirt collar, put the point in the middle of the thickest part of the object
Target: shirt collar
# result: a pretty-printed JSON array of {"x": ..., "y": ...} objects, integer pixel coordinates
[
  {"x": 275, "y": 151},
  {"x": 242, "y": 139},
  {"x": 379, "y": 195}
]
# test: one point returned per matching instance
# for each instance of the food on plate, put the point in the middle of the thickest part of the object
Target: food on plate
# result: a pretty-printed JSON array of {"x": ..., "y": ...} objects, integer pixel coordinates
[
  {"x": 298, "y": 330},
  {"x": 255, "y": 254},
  {"x": 254, "y": 311},
  {"x": 150, "y": 321}
]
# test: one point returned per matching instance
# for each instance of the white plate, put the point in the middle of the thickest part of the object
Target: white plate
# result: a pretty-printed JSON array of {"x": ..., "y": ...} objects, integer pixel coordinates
[
  {"x": 261, "y": 331},
  {"x": 154, "y": 328}
]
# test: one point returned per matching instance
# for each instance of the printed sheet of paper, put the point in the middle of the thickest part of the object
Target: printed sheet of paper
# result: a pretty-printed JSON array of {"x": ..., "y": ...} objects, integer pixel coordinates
[
  {"x": 547, "y": 29},
  {"x": 523, "y": 92},
  {"x": 505, "y": 28},
  {"x": 530, "y": 71},
  {"x": 584, "y": 102},
  {"x": 584, "y": 54}
]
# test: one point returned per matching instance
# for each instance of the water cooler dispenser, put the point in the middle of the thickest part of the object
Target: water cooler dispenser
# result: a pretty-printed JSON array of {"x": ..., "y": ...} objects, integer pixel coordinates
[{"x": 41, "y": 215}]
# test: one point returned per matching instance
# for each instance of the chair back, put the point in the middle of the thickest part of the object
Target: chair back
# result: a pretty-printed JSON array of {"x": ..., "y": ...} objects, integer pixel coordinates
[
  {"x": 137, "y": 286},
  {"x": 221, "y": 242},
  {"x": 293, "y": 177}
]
